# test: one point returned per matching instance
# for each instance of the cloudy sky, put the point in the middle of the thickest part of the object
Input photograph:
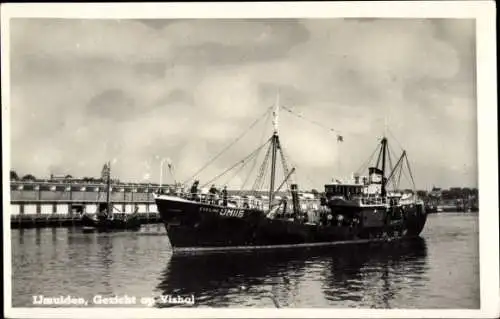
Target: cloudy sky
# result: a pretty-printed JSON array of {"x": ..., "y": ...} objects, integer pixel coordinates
[{"x": 87, "y": 91}]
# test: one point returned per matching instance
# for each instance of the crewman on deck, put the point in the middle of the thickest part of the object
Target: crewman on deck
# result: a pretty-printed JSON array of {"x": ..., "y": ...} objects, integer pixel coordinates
[
  {"x": 224, "y": 196},
  {"x": 194, "y": 189},
  {"x": 323, "y": 201},
  {"x": 213, "y": 193}
]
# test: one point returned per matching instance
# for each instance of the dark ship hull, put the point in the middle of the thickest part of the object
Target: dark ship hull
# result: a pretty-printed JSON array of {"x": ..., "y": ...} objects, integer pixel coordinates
[
  {"x": 202, "y": 226},
  {"x": 105, "y": 224}
]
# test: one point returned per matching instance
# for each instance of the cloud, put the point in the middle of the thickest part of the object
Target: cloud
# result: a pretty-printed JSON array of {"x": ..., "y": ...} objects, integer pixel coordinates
[
  {"x": 86, "y": 91},
  {"x": 113, "y": 104},
  {"x": 228, "y": 94}
]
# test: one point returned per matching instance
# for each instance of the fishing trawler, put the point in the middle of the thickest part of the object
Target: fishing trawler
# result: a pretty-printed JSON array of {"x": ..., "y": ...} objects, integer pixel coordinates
[
  {"x": 106, "y": 219},
  {"x": 361, "y": 211},
  {"x": 365, "y": 208}
]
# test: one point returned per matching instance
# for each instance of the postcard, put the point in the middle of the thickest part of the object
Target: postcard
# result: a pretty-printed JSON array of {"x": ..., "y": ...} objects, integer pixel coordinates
[{"x": 279, "y": 159}]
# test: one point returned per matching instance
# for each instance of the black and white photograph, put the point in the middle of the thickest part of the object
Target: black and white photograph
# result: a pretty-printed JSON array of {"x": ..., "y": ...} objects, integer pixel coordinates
[{"x": 250, "y": 160}]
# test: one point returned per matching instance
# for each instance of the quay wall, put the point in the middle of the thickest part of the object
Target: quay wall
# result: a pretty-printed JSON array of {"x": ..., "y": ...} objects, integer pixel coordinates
[{"x": 33, "y": 203}]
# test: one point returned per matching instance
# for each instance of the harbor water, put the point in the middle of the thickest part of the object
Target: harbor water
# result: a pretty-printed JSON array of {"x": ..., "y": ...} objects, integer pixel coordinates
[{"x": 439, "y": 271}]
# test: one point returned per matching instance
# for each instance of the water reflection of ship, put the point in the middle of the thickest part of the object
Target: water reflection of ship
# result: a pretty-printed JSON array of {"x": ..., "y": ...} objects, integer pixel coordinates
[
  {"x": 219, "y": 280},
  {"x": 369, "y": 278},
  {"x": 104, "y": 256},
  {"x": 95, "y": 260},
  {"x": 216, "y": 279}
]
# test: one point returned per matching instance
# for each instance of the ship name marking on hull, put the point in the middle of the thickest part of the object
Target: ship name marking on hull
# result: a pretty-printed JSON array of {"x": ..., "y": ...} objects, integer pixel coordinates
[{"x": 226, "y": 212}]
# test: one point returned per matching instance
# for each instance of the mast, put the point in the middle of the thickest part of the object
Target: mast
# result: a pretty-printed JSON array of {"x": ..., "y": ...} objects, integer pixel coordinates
[
  {"x": 384, "y": 148},
  {"x": 108, "y": 184},
  {"x": 274, "y": 146},
  {"x": 339, "y": 140}
]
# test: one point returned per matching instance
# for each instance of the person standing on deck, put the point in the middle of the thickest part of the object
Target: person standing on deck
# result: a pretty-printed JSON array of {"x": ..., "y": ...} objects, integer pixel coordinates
[
  {"x": 194, "y": 190},
  {"x": 213, "y": 193},
  {"x": 224, "y": 196}
]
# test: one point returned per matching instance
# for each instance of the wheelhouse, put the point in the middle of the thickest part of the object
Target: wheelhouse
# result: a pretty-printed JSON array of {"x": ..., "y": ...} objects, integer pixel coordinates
[{"x": 344, "y": 190}]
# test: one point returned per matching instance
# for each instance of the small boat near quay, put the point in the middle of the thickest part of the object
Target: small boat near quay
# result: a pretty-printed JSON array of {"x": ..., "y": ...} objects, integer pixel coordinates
[
  {"x": 107, "y": 217},
  {"x": 363, "y": 209},
  {"x": 102, "y": 221}
]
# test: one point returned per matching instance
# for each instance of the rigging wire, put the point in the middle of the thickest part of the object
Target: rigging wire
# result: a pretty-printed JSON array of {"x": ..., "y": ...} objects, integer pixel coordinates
[
  {"x": 390, "y": 163},
  {"x": 262, "y": 169},
  {"x": 284, "y": 159},
  {"x": 298, "y": 175},
  {"x": 395, "y": 169},
  {"x": 267, "y": 175},
  {"x": 238, "y": 163},
  {"x": 389, "y": 153},
  {"x": 241, "y": 168},
  {"x": 250, "y": 172},
  {"x": 338, "y": 134},
  {"x": 230, "y": 145},
  {"x": 264, "y": 176},
  {"x": 395, "y": 139},
  {"x": 399, "y": 176},
  {"x": 409, "y": 171},
  {"x": 403, "y": 172},
  {"x": 379, "y": 156},
  {"x": 286, "y": 171},
  {"x": 254, "y": 164},
  {"x": 288, "y": 161},
  {"x": 365, "y": 164},
  {"x": 284, "y": 181},
  {"x": 310, "y": 121}
]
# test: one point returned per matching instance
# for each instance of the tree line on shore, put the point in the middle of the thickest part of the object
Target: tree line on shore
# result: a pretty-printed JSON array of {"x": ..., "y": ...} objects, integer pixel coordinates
[{"x": 67, "y": 178}]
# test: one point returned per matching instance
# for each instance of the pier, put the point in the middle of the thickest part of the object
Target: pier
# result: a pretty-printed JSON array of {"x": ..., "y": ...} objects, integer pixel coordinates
[{"x": 45, "y": 203}]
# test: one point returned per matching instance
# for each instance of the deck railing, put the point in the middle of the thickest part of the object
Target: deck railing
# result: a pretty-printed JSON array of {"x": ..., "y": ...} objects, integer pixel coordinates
[
  {"x": 248, "y": 202},
  {"x": 372, "y": 200}
]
